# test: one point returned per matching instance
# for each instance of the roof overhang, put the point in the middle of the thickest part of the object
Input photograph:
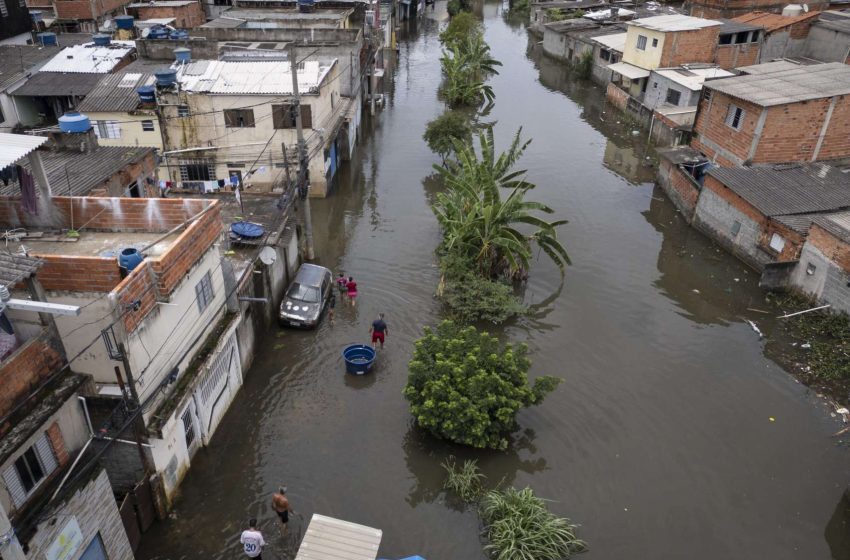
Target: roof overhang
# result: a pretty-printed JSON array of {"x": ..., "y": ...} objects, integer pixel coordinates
[
  {"x": 629, "y": 71},
  {"x": 15, "y": 146}
]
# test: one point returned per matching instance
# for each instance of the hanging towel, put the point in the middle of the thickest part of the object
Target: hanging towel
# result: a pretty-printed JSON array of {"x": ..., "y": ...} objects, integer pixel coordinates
[
  {"x": 8, "y": 174},
  {"x": 221, "y": 183},
  {"x": 28, "y": 196}
]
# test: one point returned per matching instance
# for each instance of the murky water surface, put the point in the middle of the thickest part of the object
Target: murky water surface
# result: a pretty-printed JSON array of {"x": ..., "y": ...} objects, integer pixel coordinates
[{"x": 659, "y": 442}]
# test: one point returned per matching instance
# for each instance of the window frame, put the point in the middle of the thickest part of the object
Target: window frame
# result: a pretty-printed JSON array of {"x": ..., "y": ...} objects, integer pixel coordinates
[
  {"x": 42, "y": 452},
  {"x": 239, "y": 118},
  {"x": 204, "y": 292},
  {"x": 641, "y": 42},
  {"x": 735, "y": 117},
  {"x": 149, "y": 123},
  {"x": 781, "y": 242},
  {"x": 107, "y": 130},
  {"x": 654, "y": 42},
  {"x": 183, "y": 111},
  {"x": 282, "y": 121},
  {"x": 678, "y": 96}
]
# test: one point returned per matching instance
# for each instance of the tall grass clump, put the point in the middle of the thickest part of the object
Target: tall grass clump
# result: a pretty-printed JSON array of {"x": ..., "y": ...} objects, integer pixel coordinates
[
  {"x": 519, "y": 526},
  {"x": 466, "y": 481}
]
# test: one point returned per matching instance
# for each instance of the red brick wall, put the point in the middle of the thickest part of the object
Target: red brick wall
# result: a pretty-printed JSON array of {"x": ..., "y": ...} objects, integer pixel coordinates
[
  {"x": 67, "y": 273},
  {"x": 729, "y": 57},
  {"x": 791, "y": 132},
  {"x": 82, "y": 9},
  {"x": 176, "y": 262},
  {"x": 683, "y": 47},
  {"x": 836, "y": 141},
  {"x": 710, "y": 126},
  {"x": 54, "y": 434},
  {"x": 767, "y": 227},
  {"x": 139, "y": 285},
  {"x": 25, "y": 369},
  {"x": 616, "y": 96},
  {"x": 680, "y": 188},
  {"x": 186, "y": 17},
  {"x": 834, "y": 248}
]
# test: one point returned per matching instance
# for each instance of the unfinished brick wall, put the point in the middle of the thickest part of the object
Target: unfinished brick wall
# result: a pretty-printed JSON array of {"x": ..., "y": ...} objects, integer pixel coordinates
[
  {"x": 836, "y": 141},
  {"x": 683, "y": 47},
  {"x": 139, "y": 286},
  {"x": 68, "y": 273},
  {"x": 719, "y": 141},
  {"x": 791, "y": 132},
  {"x": 730, "y": 57},
  {"x": 57, "y": 442},
  {"x": 125, "y": 214},
  {"x": 186, "y": 17},
  {"x": 616, "y": 96},
  {"x": 681, "y": 188},
  {"x": 835, "y": 249},
  {"x": 25, "y": 369},
  {"x": 175, "y": 263}
]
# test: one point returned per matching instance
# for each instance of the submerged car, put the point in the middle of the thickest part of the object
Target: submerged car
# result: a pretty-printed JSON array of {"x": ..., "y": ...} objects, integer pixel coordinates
[{"x": 306, "y": 297}]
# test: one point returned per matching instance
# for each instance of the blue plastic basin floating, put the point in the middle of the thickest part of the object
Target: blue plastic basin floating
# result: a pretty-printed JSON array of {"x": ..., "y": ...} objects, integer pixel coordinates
[
  {"x": 359, "y": 358},
  {"x": 247, "y": 229}
]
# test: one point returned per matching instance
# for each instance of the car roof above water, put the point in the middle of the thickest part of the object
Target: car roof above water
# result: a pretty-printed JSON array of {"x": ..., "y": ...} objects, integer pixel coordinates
[{"x": 311, "y": 274}]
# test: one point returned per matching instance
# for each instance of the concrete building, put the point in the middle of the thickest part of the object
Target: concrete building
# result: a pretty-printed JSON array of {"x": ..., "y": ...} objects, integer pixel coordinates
[
  {"x": 607, "y": 50},
  {"x": 270, "y": 18},
  {"x": 48, "y": 501},
  {"x": 184, "y": 14},
  {"x": 63, "y": 81},
  {"x": 782, "y": 36},
  {"x": 548, "y": 11},
  {"x": 561, "y": 40},
  {"x": 795, "y": 115},
  {"x": 823, "y": 270},
  {"x": 661, "y": 42},
  {"x": 734, "y": 8},
  {"x": 679, "y": 88},
  {"x": 738, "y": 44},
  {"x": 244, "y": 105},
  {"x": 829, "y": 37}
]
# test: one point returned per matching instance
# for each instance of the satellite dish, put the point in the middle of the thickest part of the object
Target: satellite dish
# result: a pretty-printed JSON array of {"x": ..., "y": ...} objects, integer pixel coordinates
[
  {"x": 145, "y": 32},
  {"x": 806, "y": 8},
  {"x": 268, "y": 256}
]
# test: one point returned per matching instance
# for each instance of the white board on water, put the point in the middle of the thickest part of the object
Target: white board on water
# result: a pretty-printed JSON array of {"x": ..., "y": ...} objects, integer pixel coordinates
[{"x": 333, "y": 539}]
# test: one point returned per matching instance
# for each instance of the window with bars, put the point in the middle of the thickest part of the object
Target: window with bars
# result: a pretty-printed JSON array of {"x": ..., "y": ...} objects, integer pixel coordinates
[
  {"x": 107, "y": 129},
  {"x": 204, "y": 292},
  {"x": 239, "y": 118},
  {"x": 283, "y": 116},
  {"x": 735, "y": 117},
  {"x": 188, "y": 427},
  {"x": 182, "y": 110},
  {"x": 147, "y": 126},
  {"x": 4, "y": 10},
  {"x": 197, "y": 170},
  {"x": 29, "y": 470}
]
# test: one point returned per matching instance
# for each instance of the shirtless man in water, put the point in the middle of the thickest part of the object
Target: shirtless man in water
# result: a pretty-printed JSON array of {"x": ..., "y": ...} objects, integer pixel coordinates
[{"x": 281, "y": 507}]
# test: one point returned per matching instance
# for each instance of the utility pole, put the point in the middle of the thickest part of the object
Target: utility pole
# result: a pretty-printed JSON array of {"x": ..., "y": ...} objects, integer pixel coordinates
[
  {"x": 133, "y": 405},
  {"x": 303, "y": 184}
]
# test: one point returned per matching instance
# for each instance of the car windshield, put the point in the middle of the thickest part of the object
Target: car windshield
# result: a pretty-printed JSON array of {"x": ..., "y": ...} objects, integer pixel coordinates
[{"x": 301, "y": 292}]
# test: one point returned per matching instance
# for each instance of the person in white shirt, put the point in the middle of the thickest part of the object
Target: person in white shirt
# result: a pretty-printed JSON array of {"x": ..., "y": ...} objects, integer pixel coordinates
[{"x": 252, "y": 541}]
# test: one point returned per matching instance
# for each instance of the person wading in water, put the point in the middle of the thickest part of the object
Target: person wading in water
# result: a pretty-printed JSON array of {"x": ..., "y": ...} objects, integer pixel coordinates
[{"x": 281, "y": 507}]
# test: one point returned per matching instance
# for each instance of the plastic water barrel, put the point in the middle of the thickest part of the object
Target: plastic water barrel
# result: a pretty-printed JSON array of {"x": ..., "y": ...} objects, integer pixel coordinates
[
  {"x": 179, "y": 35},
  {"x": 158, "y": 33},
  {"x": 47, "y": 39},
  {"x": 166, "y": 77},
  {"x": 73, "y": 121},
  {"x": 182, "y": 54},
  {"x": 124, "y": 22},
  {"x": 101, "y": 39},
  {"x": 130, "y": 258},
  {"x": 147, "y": 94}
]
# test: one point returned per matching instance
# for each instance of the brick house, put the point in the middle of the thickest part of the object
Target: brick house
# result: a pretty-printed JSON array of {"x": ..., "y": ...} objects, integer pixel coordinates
[
  {"x": 782, "y": 36},
  {"x": 734, "y": 8},
  {"x": 793, "y": 115},
  {"x": 187, "y": 14},
  {"x": 85, "y": 16},
  {"x": 824, "y": 267},
  {"x": 164, "y": 324},
  {"x": 738, "y": 44},
  {"x": 661, "y": 42},
  {"x": 43, "y": 431}
]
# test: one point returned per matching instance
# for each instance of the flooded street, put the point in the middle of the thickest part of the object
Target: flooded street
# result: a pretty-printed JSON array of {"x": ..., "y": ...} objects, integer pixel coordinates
[{"x": 659, "y": 442}]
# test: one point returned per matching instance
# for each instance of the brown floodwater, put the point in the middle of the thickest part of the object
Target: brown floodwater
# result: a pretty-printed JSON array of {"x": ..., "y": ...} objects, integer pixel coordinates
[{"x": 659, "y": 442}]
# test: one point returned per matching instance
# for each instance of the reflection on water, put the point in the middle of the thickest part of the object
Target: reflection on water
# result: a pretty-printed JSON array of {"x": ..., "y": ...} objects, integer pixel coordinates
[
  {"x": 659, "y": 441},
  {"x": 837, "y": 532}
]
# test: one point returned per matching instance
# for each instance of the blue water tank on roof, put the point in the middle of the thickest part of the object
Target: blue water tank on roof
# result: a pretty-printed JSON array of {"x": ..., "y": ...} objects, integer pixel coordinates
[
  {"x": 124, "y": 22},
  {"x": 158, "y": 33},
  {"x": 166, "y": 77},
  {"x": 101, "y": 39},
  {"x": 182, "y": 54},
  {"x": 147, "y": 94},
  {"x": 47, "y": 39},
  {"x": 179, "y": 35},
  {"x": 74, "y": 122}
]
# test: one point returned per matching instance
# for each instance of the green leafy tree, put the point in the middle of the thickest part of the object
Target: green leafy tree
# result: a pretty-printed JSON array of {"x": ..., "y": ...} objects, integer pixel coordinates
[
  {"x": 459, "y": 28},
  {"x": 584, "y": 67},
  {"x": 461, "y": 87},
  {"x": 495, "y": 232},
  {"x": 471, "y": 298},
  {"x": 465, "y": 388},
  {"x": 442, "y": 133}
]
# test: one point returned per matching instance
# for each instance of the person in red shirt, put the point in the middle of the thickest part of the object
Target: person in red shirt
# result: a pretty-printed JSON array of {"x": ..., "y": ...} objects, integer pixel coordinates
[{"x": 351, "y": 287}]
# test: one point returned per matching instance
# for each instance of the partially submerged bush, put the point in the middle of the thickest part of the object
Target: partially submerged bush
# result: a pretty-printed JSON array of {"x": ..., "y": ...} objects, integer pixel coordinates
[{"x": 466, "y": 481}]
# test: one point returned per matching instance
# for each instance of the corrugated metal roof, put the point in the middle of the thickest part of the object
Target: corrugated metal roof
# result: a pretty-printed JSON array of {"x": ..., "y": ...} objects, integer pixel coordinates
[
  {"x": 673, "y": 22},
  {"x": 89, "y": 58},
  {"x": 50, "y": 84},
  {"x": 837, "y": 224},
  {"x": 802, "y": 83},
  {"x": 14, "y": 268},
  {"x": 116, "y": 92},
  {"x": 772, "y": 22},
  {"x": 614, "y": 42},
  {"x": 333, "y": 539},
  {"x": 600, "y": 15},
  {"x": 15, "y": 146},
  {"x": 162, "y": 4},
  {"x": 253, "y": 78},
  {"x": 84, "y": 171},
  {"x": 769, "y": 67},
  {"x": 797, "y": 189},
  {"x": 629, "y": 71},
  {"x": 690, "y": 77},
  {"x": 16, "y": 61},
  {"x": 732, "y": 26},
  {"x": 836, "y": 21},
  {"x": 798, "y": 222}
]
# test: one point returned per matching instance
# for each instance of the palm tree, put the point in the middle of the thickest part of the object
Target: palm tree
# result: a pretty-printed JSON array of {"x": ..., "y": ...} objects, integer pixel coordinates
[
  {"x": 464, "y": 85},
  {"x": 475, "y": 53},
  {"x": 485, "y": 227}
]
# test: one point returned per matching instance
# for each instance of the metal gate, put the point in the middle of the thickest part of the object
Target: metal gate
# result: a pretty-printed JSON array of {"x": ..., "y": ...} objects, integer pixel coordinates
[
  {"x": 218, "y": 384},
  {"x": 137, "y": 512}
]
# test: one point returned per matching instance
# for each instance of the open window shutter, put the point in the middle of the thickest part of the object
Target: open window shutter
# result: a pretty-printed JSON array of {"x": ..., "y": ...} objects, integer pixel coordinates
[
  {"x": 45, "y": 454},
  {"x": 277, "y": 116},
  {"x": 13, "y": 484},
  {"x": 306, "y": 116}
]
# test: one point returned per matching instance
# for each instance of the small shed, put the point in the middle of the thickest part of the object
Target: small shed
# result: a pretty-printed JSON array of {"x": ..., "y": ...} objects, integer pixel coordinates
[{"x": 334, "y": 539}]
